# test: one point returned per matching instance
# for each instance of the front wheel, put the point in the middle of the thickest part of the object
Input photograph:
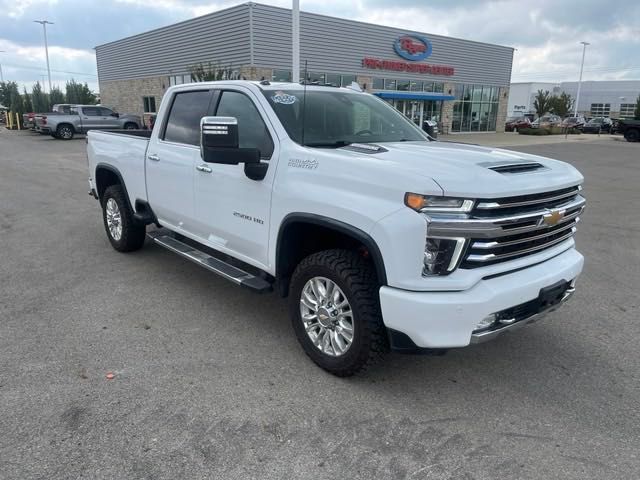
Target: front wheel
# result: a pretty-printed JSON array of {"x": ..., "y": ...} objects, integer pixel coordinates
[
  {"x": 124, "y": 233},
  {"x": 335, "y": 310},
  {"x": 130, "y": 126}
]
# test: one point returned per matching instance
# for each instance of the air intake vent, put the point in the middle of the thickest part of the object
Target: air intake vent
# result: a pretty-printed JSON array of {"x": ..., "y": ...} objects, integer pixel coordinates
[{"x": 508, "y": 168}]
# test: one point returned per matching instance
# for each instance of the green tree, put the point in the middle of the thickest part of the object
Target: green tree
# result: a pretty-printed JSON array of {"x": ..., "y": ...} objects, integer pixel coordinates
[
  {"x": 636, "y": 113},
  {"x": 561, "y": 105},
  {"x": 39, "y": 99},
  {"x": 28, "y": 105},
  {"x": 211, "y": 71},
  {"x": 5, "y": 94},
  {"x": 79, "y": 93},
  {"x": 56, "y": 96},
  {"x": 541, "y": 102},
  {"x": 17, "y": 102}
]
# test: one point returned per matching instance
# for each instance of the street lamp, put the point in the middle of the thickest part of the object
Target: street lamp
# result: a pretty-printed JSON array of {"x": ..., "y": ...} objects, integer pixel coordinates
[
  {"x": 46, "y": 47},
  {"x": 1, "y": 75},
  {"x": 584, "y": 49}
]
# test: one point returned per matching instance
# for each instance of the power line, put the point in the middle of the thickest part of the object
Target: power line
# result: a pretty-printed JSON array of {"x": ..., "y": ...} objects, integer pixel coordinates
[{"x": 25, "y": 67}]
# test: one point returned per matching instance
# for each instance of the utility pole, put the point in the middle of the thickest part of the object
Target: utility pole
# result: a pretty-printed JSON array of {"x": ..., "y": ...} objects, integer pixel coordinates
[
  {"x": 584, "y": 49},
  {"x": 46, "y": 46},
  {"x": 295, "y": 23}
]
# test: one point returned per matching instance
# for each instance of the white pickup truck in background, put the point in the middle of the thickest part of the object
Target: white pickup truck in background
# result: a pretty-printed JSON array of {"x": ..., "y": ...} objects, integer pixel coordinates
[{"x": 379, "y": 237}]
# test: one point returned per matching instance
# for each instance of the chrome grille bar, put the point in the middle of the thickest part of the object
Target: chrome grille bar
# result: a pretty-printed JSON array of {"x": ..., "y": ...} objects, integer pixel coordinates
[
  {"x": 509, "y": 243},
  {"x": 502, "y": 256},
  {"x": 523, "y": 203}
]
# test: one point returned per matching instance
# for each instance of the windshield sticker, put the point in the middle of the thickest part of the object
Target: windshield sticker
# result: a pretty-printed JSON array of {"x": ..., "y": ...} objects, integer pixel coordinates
[{"x": 284, "y": 98}]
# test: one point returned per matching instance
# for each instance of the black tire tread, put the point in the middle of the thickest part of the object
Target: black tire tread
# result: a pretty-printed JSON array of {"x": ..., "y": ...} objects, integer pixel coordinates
[
  {"x": 359, "y": 277},
  {"x": 133, "y": 233}
]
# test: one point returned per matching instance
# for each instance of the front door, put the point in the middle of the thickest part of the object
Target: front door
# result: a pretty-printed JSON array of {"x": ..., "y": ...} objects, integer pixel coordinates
[
  {"x": 108, "y": 120},
  {"x": 90, "y": 117},
  {"x": 232, "y": 211},
  {"x": 172, "y": 158}
]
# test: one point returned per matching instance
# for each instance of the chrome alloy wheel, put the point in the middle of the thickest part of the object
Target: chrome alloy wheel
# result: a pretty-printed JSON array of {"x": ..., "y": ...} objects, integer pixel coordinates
[
  {"x": 114, "y": 219},
  {"x": 66, "y": 133},
  {"x": 327, "y": 316}
]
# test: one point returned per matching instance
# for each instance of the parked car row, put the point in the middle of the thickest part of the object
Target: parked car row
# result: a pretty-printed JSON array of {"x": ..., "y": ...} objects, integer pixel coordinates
[
  {"x": 585, "y": 125},
  {"x": 66, "y": 120}
]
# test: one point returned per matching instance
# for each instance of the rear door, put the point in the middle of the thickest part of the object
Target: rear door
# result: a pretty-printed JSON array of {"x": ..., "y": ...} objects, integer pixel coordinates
[
  {"x": 172, "y": 159},
  {"x": 232, "y": 211}
]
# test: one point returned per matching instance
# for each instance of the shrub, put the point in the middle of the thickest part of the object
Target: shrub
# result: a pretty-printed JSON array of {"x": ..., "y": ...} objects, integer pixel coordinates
[{"x": 534, "y": 131}]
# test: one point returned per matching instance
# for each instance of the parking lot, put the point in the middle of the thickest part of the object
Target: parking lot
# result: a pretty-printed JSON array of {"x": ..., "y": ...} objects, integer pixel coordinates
[{"x": 210, "y": 381}]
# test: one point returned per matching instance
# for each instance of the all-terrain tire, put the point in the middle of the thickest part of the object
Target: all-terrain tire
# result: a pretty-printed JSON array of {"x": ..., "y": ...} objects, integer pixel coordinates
[
  {"x": 357, "y": 279},
  {"x": 132, "y": 234}
]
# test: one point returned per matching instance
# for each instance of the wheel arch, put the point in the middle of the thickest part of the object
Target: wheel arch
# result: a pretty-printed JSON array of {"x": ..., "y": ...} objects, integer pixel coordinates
[
  {"x": 66, "y": 124},
  {"x": 298, "y": 227},
  {"x": 106, "y": 176}
]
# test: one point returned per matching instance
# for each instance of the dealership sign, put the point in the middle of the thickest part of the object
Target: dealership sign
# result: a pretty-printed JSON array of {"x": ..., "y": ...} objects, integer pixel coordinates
[{"x": 412, "y": 48}]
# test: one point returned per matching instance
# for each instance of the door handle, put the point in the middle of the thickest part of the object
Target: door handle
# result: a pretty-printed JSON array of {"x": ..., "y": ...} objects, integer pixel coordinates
[
  {"x": 203, "y": 168},
  {"x": 153, "y": 157}
]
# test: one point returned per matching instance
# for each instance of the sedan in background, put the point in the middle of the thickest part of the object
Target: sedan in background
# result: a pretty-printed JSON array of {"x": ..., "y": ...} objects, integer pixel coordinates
[
  {"x": 516, "y": 123},
  {"x": 598, "y": 124},
  {"x": 574, "y": 122}
]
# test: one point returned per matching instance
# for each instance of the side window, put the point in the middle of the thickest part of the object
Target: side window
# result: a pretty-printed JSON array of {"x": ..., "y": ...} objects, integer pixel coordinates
[
  {"x": 183, "y": 124},
  {"x": 106, "y": 112},
  {"x": 91, "y": 111},
  {"x": 252, "y": 131}
]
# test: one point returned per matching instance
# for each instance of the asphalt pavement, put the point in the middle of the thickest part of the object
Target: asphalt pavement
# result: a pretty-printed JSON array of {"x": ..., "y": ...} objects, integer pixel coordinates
[{"x": 209, "y": 381}]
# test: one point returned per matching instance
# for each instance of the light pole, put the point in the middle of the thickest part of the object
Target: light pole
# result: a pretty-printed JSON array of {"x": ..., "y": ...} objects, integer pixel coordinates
[
  {"x": 584, "y": 49},
  {"x": 46, "y": 47},
  {"x": 1, "y": 75},
  {"x": 295, "y": 31}
]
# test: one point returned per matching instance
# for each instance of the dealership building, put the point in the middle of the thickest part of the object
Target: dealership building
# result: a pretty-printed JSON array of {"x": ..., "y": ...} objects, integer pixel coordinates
[
  {"x": 608, "y": 98},
  {"x": 461, "y": 84}
]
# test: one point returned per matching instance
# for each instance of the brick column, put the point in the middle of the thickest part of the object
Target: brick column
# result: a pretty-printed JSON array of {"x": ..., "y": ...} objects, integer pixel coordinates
[
  {"x": 366, "y": 83},
  {"x": 503, "y": 102}
]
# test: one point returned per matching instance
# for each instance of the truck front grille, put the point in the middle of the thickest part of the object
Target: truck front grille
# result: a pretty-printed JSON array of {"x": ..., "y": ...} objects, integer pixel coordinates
[{"x": 504, "y": 229}]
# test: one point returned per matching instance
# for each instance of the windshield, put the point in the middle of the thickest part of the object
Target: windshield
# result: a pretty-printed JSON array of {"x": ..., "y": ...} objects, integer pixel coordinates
[{"x": 338, "y": 118}]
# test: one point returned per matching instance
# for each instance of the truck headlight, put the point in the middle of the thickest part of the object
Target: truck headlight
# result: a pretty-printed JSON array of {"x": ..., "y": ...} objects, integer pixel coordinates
[
  {"x": 441, "y": 255},
  {"x": 434, "y": 204}
]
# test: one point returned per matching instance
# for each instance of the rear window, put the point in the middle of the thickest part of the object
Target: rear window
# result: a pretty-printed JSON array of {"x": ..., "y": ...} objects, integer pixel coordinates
[{"x": 183, "y": 124}]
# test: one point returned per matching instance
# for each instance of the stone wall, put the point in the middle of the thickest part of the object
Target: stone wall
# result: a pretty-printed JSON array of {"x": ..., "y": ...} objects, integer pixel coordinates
[
  {"x": 503, "y": 102},
  {"x": 125, "y": 96},
  {"x": 256, "y": 73}
]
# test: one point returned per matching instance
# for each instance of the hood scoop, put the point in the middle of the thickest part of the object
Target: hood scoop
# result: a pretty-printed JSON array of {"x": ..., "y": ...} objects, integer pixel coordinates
[
  {"x": 510, "y": 168},
  {"x": 365, "y": 148}
]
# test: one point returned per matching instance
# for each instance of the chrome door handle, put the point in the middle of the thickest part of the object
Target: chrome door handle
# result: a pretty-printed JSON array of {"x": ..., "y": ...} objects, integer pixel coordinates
[
  {"x": 153, "y": 157},
  {"x": 203, "y": 168}
]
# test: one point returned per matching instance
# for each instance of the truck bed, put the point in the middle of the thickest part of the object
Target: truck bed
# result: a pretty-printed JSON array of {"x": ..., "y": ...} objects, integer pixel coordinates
[{"x": 125, "y": 151}]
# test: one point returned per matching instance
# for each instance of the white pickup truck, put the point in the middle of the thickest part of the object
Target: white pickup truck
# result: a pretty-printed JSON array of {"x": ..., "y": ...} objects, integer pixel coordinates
[{"x": 380, "y": 237}]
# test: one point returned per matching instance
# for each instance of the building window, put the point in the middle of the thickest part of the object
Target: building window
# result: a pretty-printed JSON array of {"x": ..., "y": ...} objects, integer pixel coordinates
[
  {"x": 315, "y": 77},
  {"x": 378, "y": 83},
  {"x": 600, "y": 109},
  {"x": 438, "y": 87},
  {"x": 403, "y": 85},
  {"x": 281, "y": 76},
  {"x": 389, "y": 84},
  {"x": 149, "y": 104},
  {"x": 347, "y": 80},
  {"x": 415, "y": 86},
  {"x": 627, "y": 110},
  {"x": 475, "y": 108},
  {"x": 333, "y": 79},
  {"x": 180, "y": 79}
]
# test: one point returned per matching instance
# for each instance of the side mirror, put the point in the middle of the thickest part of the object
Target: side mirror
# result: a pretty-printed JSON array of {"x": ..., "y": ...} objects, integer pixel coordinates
[
  {"x": 219, "y": 142},
  {"x": 115, "y": 114}
]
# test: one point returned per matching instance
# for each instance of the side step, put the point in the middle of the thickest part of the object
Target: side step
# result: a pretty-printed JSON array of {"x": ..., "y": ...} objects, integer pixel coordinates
[{"x": 166, "y": 239}]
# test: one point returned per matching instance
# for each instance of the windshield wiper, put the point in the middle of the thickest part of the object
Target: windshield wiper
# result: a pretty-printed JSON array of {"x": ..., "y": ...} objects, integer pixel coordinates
[{"x": 336, "y": 144}]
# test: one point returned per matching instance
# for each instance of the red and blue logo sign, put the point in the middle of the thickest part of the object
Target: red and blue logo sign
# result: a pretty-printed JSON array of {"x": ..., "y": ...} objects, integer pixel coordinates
[{"x": 413, "y": 47}]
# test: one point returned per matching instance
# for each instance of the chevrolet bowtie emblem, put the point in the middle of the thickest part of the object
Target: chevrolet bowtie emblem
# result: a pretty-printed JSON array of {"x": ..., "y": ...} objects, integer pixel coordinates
[{"x": 552, "y": 218}]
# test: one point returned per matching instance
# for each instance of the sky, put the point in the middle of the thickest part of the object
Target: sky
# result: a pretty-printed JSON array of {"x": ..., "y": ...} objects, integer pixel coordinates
[{"x": 546, "y": 33}]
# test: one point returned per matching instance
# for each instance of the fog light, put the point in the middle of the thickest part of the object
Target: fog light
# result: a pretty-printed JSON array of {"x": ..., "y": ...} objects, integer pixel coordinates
[{"x": 486, "y": 322}]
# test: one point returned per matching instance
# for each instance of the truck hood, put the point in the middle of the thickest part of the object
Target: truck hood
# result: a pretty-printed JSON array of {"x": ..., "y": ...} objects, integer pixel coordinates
[{"x": 464, "y": 170}]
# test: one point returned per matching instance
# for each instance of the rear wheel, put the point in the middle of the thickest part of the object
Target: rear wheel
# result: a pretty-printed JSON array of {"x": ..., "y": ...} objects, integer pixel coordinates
[
  {"x": 124, "y": 233},
  {"x": 65, "y": 132},
  {"x": 335, "y": 310},
  {"x": 632, "y": 135},
  {"x": 130, "y": 126}
]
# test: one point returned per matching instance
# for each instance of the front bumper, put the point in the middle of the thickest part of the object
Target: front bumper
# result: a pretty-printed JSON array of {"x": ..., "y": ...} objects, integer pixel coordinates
[{"x": 438, "y": 320}]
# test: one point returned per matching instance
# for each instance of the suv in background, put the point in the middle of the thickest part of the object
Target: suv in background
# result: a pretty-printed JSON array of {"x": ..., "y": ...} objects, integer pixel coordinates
[
  {"x": 547, "y": 121},
  {"x": 597, "y": 125},
  {"x": 514, "y": 124},
  {"x": 574, "y": 122}
]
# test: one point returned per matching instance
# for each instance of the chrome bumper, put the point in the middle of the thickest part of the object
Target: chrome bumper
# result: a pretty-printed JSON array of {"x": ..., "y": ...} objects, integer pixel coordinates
[{"x": 485, "y": 336}]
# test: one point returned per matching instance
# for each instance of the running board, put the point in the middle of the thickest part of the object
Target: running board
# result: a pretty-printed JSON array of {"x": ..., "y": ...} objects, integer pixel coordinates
[{"x": 166, "y": 239}]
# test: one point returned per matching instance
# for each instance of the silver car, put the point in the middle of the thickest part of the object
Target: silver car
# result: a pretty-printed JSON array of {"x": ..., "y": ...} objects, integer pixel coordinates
[{"x": 83, "y": 118}]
